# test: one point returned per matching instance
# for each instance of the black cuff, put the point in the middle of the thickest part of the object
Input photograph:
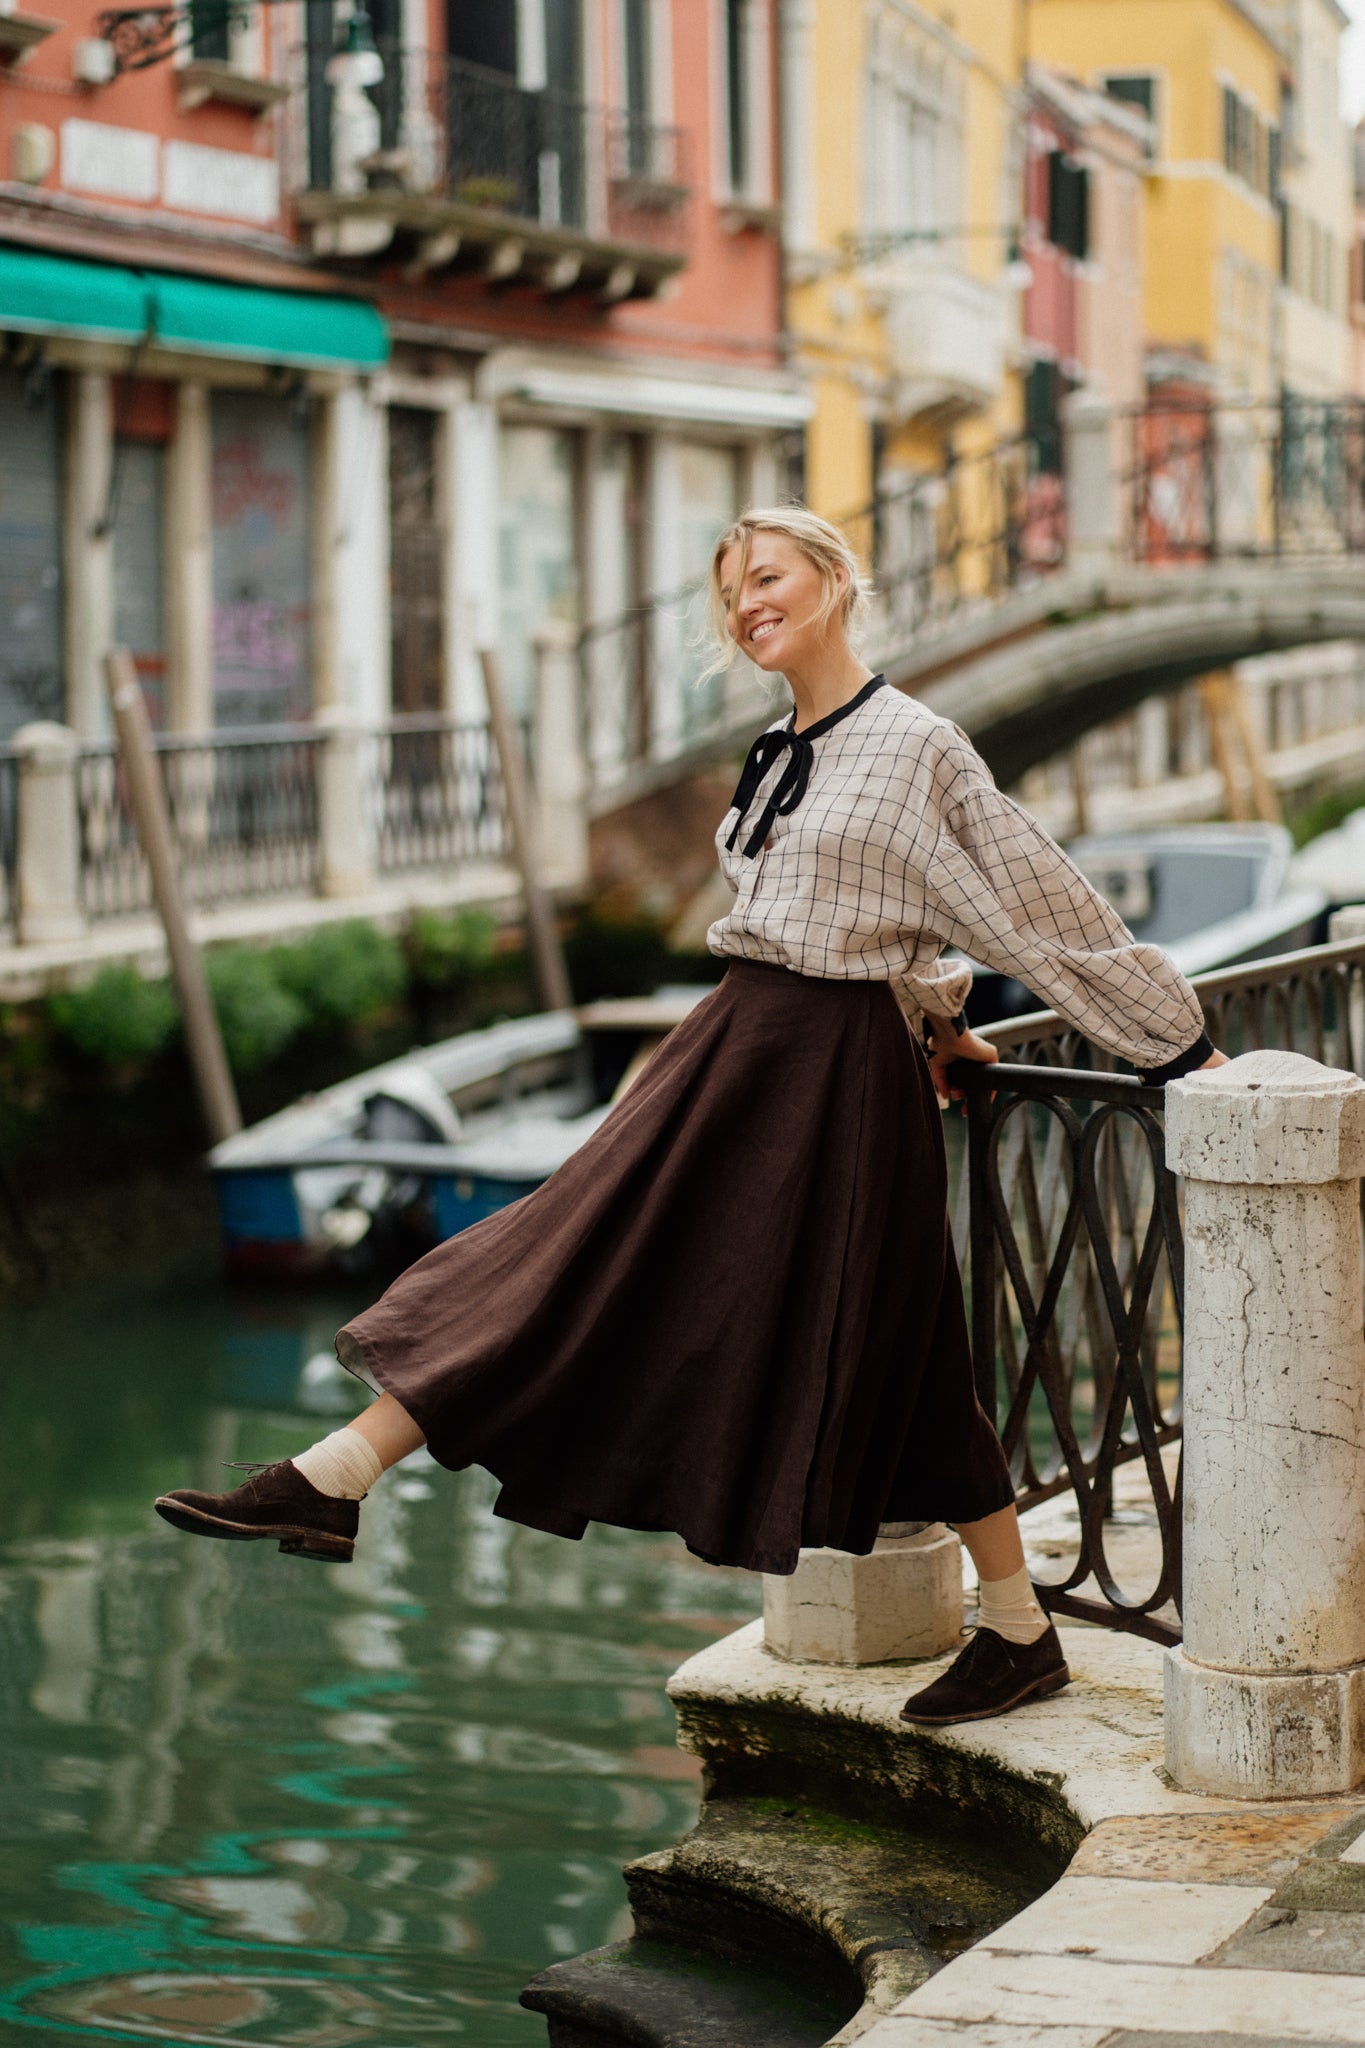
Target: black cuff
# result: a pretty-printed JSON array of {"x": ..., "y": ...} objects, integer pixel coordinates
[{"x": 1183, "y": 1063}]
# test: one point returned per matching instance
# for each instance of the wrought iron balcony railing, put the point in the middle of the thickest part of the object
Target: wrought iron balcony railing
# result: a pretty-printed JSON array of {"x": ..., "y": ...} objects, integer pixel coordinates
[{"x": 459, "y": 157}]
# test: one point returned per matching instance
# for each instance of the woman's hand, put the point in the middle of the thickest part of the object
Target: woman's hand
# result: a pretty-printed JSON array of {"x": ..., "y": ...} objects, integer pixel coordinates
[
  {"x": 947, "y": 1045},
  {"x": 1215, "y": 1059}
]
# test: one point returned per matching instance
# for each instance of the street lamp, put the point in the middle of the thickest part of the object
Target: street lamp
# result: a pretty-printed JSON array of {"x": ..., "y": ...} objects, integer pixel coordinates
[
  {"x": 143, "y": 36},
  {"x": 355, "y": 62}
]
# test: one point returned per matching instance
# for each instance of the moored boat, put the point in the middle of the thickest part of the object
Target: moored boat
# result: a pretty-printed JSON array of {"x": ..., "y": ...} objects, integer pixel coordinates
[
  {"x": 1210, "y": 895},
  {"x": 370, "y": 1173}
]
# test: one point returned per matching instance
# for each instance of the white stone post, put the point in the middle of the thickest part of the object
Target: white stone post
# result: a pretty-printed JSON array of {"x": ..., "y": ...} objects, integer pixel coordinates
[
  {"x": 188, "y": 545},
  {"x": 88, "y": 550},
  {"x": 49, "y": 865},
  {"x": 345, "y": 815},
  {"x": 1266, "y": 1697},
  {"x": 1094, "y": 508},
  {"x": 561, "y": 784},
  {"x": 904, "y": 1599}
]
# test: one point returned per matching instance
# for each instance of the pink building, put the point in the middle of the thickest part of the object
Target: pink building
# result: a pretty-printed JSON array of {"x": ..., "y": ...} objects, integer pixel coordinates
[{"x": 1086, "y": 158}]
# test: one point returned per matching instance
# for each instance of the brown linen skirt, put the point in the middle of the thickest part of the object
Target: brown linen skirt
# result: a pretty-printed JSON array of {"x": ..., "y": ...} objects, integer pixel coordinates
[{"x": 734, "y": 1312}]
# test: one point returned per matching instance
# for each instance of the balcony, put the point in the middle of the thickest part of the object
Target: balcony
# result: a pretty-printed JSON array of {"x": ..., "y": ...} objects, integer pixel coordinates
[
  {"x": 445, "y": 166},
  {"x": 946, "y": 333}
]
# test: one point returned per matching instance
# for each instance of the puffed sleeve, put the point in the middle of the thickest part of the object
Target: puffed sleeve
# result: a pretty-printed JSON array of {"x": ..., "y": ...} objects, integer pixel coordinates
[{"x": 1002, "y": 890}]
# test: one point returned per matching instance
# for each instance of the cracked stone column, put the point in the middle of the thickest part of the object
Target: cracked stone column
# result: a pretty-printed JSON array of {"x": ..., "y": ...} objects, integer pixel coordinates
[
  {"x": 1266, "y": 1697},
  {"x": 902, "y": 1600}
]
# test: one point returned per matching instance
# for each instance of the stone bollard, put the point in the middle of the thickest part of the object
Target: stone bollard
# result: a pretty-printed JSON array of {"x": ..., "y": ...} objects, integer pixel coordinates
[
  {"x": 902, "y": 1600},
  {"x": 48, "y": 881},
  {"x": 1266, "y": 1696},
  {"x": 1094, "y": 492},
  {"x": 345, "y": 819},
  {"x": 1346, "y": 923},
  {"x": 561, "y": 781}
]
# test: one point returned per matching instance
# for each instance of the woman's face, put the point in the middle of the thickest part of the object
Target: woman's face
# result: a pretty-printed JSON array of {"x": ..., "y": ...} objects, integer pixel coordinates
[{"x": 771, "y": 614}]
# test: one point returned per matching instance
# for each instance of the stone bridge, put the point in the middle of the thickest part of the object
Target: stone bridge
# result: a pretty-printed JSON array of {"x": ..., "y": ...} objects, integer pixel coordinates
[{"x": 1031, "y": 605}]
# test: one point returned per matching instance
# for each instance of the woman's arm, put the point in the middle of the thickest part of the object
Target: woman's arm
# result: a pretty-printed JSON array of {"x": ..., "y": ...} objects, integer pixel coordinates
[{"x": 1005, "y": 893}]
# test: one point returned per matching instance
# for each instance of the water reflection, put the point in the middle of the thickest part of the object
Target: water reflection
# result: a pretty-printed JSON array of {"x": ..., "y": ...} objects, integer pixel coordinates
[{"x": 252, "y": 1800}]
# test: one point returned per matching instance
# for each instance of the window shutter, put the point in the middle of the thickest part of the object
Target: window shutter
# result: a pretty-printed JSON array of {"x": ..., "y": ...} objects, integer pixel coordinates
[{"x": 1068, "y": 205}]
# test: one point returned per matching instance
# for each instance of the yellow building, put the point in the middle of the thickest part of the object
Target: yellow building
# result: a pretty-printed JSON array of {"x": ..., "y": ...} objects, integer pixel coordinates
[
  {"x": 902, "y": 144},
  {"x": 1211, "y": 74}
]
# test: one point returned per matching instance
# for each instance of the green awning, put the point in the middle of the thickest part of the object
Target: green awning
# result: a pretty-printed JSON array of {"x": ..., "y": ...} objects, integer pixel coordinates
[
  {"x": 306, "y": 329},
  {"x": 43, "y": 294}
]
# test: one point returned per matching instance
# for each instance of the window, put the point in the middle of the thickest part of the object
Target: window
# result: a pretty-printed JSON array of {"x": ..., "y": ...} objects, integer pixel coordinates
[
  {"x": 738, "y": 137},
  {"x": 30, "y": 551},
  {"x": 1136, "y": 89},
  {"x": 1068, "y": 205},
  {"x": 637, "y": 66},
  {"x": 1045, "y": 387},
  {"x": 637, "y": 54},
  {"x": 1251, "y": 146},
  {"x": 261, "y": 616}
]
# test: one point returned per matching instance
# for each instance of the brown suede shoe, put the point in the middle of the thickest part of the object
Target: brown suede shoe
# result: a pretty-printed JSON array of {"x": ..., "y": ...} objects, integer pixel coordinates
[
  {"x": 276, "y": 1501},
  {"x": 989, "y": 1677}
]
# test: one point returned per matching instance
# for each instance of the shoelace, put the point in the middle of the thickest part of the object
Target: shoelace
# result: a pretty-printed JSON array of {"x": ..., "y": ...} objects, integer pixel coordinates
[{"x": 249, "y": 1464}]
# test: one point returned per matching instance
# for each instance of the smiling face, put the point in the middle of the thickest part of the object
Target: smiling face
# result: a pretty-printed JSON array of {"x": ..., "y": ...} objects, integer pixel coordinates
[{"x": 773, "y": 605}]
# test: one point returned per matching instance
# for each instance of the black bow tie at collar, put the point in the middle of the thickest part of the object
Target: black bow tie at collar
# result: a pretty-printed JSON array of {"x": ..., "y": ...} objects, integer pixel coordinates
[
  {"x": 786, "y": 792},
  {"x": 792, "y": 783}
]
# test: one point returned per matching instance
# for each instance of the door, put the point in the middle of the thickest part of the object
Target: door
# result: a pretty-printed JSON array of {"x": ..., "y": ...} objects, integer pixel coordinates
[{"x": 416, "y": 560}]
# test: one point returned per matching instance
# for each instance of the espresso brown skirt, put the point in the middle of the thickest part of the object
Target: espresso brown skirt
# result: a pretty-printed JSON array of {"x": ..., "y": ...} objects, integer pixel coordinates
[{"x": 734, "y": 1313}]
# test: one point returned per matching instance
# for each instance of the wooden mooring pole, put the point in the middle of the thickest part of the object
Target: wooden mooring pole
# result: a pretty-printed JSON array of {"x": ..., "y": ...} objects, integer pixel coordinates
[
  {"x": 547, "y": 955},
  {"x": 212, "y": 1075}
]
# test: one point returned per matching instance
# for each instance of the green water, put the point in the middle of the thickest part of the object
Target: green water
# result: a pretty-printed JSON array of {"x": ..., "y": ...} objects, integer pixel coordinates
[{"x": 250, "y": 1799}]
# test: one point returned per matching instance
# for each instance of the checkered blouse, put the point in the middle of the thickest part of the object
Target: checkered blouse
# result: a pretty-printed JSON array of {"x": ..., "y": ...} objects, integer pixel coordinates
[{"x": 864, "y": 855}]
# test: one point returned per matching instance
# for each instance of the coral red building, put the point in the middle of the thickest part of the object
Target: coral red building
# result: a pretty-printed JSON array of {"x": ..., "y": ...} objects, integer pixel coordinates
[{"x": 309, "y": 388}]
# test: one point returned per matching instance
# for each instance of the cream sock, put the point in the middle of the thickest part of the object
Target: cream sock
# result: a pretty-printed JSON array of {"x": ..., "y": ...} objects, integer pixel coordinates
[
  {"x": 343, "y": 1465},
  {"x": 1010, "y": 1608}
]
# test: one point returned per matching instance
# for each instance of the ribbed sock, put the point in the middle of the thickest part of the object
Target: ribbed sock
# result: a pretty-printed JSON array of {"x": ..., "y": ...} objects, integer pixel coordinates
[
  {"x": 1010, "y": 1608},
  {"x": 343, "y": 1465}
]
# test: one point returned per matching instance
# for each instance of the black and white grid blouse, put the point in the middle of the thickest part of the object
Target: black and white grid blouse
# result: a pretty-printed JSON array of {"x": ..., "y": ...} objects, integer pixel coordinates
[{"x": 862, "y": 848}]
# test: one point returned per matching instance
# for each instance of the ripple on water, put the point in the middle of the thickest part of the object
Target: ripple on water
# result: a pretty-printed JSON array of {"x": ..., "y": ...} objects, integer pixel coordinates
[{"x": 247, "y": 1799}]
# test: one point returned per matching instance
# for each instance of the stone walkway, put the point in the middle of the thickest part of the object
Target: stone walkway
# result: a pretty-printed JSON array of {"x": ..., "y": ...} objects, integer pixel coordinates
[{"x": 1177, "y": 1917}]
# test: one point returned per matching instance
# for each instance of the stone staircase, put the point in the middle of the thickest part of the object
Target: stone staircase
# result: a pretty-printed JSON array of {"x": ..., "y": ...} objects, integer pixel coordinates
[{"x": 783, "y": 1921}]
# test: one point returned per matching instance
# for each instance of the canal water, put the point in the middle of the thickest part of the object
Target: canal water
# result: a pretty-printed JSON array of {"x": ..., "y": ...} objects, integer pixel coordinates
[{"x": 251, "y": 1799}]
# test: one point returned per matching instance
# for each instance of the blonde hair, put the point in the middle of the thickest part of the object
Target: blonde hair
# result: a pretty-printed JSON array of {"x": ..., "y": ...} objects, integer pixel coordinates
[{"x": 822, "y": 544}]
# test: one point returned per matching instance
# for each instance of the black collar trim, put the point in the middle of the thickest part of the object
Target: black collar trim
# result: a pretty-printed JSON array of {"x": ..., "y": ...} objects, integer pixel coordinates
[{"x": 832, "y": 718}]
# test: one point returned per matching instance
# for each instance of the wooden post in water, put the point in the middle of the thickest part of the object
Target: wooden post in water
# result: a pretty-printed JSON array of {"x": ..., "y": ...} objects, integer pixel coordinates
[
  {"x": 212, "y": 1075},
  {"x": 547, "y": 955}
]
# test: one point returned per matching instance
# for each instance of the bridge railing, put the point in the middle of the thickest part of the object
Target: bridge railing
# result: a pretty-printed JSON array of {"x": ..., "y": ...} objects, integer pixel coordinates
[
  {"x": 1244, "y": 478},
  {"x": 1068, "y": 1225},
  {"x": 1174, "y": 481}
]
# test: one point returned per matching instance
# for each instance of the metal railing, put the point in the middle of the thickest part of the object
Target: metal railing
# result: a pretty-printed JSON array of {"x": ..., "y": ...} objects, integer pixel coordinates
[
  {"x": 1068, "y": 1223},
  {"x": 646, "y": 697},
  {"x": 9, "y": 839},
  {"x": 477, "y": 138},
  {"x": 436, "y": 795},
  {"x": 1213, "y": 482},
  {"x": 244, "y": 813},
  {"x": 983, "y": 525}
]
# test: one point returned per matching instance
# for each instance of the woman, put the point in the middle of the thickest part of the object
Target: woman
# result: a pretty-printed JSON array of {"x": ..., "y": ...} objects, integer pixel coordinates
[{"x": 735, "y": 1311}]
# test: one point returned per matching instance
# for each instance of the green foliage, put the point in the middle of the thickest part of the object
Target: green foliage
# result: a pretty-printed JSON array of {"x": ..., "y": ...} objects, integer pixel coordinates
[
  {"x": 341, "y": 973},
  {"x": 118, "y": 1018},
  {"x": 616, "y": 954},
  {"x": 444, "y": 952},
  {"x": 258, "y": 1016},
  {"x": 1325, "y": 814}
]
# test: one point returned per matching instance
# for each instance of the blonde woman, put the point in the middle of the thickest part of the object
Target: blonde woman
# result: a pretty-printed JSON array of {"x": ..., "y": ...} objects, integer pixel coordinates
[{"x": 735, "y": 1312}]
